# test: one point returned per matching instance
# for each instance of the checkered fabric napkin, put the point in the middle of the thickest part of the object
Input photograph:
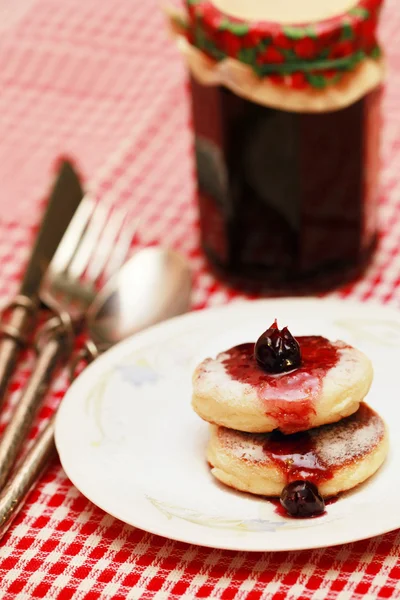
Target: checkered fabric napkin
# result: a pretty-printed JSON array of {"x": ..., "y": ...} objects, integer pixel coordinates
[{"x": 86, "y": 79}]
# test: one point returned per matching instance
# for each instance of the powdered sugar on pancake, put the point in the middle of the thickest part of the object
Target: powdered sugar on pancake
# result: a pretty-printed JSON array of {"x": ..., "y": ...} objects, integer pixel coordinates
[
  {"x": 350, "y": 439},
  {"x": 315, "y": 454},
  {"x": 231, "y": 390}
]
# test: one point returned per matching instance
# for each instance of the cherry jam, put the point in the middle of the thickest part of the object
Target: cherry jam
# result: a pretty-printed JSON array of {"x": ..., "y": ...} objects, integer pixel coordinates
[
  {"x": 286, "y": 199},
  {"x": 291, "y": 395}
]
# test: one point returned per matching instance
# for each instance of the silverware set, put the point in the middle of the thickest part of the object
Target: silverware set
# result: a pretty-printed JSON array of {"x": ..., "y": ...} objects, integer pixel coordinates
[
  {"x": 82, "y": 247},
  {"x": 18, "y": 318}
]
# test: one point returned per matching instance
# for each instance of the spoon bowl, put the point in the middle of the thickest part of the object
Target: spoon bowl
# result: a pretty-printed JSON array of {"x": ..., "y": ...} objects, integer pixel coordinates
[{"x": 154, "y": 285}]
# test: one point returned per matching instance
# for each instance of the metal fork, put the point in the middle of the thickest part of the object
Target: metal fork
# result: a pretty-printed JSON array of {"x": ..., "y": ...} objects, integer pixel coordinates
[{"x": 94, "y": 246}]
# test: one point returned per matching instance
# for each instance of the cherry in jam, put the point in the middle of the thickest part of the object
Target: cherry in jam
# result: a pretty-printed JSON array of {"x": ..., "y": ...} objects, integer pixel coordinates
[
  {"x": 277, "y": 350},
  {"x": 302, "y": 499},
  {"x": 282, "y": 512}
]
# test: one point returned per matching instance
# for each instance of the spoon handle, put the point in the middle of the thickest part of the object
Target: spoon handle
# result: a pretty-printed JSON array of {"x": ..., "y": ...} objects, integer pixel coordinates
[
  {"x": 18, "y": 427},
  {"x": 13, "y": 495}
]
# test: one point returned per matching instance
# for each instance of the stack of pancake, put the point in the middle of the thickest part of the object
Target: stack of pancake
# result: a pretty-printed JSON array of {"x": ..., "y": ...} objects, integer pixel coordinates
[{"x": 309, "y": 423}]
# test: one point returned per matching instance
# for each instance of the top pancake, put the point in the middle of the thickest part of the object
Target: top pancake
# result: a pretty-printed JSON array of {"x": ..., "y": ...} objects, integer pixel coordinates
[{"x": 233, "y": 391}]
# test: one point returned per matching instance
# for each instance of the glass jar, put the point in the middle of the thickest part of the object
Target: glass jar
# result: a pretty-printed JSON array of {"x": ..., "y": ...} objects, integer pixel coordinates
[{"x": 286, "y": 120}]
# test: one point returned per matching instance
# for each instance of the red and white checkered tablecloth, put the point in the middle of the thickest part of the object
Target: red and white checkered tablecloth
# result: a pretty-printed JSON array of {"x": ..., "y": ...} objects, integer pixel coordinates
[{"x": 101, "y": 82}]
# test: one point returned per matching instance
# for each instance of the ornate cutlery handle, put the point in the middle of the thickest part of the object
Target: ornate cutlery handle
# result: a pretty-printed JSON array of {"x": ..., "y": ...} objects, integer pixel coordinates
[
  {"x": 13, "y": 333},
  {"x": 18, "y": 487},
  {"x": 55, "y": 341},
  {"x": 29, "y": 470}
]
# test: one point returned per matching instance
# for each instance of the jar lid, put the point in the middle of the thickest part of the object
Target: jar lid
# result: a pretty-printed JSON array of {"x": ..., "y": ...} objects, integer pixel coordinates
[
  {"x": 312, "y": 44},
  {"x": 287, "y": 12}
]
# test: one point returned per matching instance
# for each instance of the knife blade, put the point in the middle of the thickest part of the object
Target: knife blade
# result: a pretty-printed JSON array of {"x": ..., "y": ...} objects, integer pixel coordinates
[{"x": 64, "y": 199}]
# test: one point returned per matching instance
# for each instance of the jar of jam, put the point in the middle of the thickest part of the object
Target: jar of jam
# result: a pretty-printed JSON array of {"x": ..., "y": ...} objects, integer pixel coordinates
[{"x": 285, "y": 99}]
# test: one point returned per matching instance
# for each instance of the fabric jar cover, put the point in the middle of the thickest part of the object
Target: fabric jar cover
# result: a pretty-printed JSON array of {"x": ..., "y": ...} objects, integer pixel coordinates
[{"x": 320, "y": 65}]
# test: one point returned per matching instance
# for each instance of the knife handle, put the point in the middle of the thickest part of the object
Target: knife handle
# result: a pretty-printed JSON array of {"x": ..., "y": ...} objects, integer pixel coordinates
[
  {"x": 13, "y": 335},
  {"x": 55, "y": 345}
]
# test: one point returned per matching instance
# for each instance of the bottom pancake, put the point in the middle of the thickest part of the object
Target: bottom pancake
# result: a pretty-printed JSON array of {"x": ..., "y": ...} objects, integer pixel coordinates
[{"x": 336, "y": 457}]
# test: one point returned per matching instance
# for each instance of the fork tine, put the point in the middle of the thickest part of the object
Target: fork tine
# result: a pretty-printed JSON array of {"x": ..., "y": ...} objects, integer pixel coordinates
[
  {"x": 121, "y": 249},
  {"x": 106, "y": 244},
  {"x": 73, "y": 236},
  {"x": 89, "y": 240}
]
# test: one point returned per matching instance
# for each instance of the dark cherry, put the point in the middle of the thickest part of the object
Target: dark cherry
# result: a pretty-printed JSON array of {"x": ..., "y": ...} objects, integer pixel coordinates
[
  {"x": 277, "y": 350},
  {"x": 302, "y": 499}
]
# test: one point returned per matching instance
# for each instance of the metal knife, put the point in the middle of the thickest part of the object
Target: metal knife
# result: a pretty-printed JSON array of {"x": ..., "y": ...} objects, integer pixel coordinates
[{"x": 18, "y": 318}]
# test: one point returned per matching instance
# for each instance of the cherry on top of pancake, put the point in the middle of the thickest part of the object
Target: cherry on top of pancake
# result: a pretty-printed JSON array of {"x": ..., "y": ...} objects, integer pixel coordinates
[{"x": 293, "y": 392}]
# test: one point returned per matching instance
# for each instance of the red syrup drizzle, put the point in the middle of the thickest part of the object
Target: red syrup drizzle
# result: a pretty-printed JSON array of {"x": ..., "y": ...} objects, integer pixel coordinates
[
  {"x": 279, "y": 510},
  {"x": 296, "y": 456},
  {"x": 290, "y": 395}
]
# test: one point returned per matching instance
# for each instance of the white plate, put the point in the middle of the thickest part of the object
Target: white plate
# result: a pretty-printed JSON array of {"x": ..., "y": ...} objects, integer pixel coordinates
[{"x": 129, "y": 441}]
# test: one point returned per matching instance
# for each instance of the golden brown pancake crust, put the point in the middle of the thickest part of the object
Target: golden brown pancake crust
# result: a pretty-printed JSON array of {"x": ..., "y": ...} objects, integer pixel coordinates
[{"x": 336, "y": 456}]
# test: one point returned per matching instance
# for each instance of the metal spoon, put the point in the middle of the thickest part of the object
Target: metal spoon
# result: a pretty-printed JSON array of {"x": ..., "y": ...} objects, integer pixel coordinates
[{"x": 154, "y": 285}]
